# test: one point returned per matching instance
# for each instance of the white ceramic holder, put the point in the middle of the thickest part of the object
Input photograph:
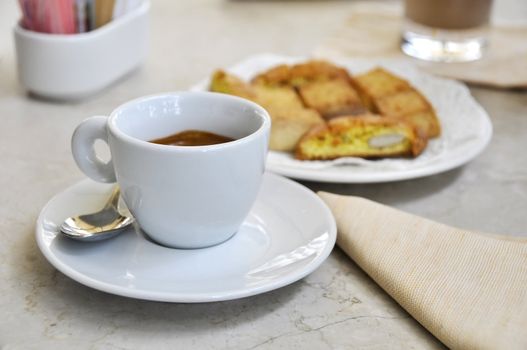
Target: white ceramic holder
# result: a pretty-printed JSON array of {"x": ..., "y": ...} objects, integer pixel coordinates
[{"x": 78, "y": 65}]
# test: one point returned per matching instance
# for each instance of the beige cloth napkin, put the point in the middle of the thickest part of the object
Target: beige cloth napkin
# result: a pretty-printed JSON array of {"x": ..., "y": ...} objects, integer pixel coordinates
[
  {"x": 468, "y": 289},
  {"x": 373, "y": 30}
]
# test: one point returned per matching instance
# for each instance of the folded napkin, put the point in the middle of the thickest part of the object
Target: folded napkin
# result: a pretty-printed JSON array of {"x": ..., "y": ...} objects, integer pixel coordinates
[
  {"x": 468, "y": 289},
  {"x": 373, "y": 30}
]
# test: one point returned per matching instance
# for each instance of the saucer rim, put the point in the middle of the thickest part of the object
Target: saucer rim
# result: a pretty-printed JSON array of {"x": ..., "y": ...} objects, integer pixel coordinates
[{"x": 199, "y": 297}]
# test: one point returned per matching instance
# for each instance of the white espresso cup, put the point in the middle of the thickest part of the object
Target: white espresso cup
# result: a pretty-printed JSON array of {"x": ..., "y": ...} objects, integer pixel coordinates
[{"x": 181, "y": 196}]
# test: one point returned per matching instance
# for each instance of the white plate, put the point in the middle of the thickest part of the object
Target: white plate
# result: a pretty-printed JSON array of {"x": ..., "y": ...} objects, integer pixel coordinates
[
  {"x": 466, "y": 128},
  {"x": 288, "y": 234}
]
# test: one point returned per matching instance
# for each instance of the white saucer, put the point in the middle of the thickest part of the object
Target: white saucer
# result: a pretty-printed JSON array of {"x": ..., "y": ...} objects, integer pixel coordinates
[{"x": 287, "y": 235}]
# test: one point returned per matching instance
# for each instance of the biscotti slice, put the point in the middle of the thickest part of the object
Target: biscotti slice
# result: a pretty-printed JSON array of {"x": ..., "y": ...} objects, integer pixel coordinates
[
  {"x": 299, "y": 74},
  {"x": 402, "y": 104},
  {"x": 288, "y": 127},
  {"x": 290, "y": 119},
  {"x": 323, "y": 86},
  {"x": 285, "y": 97},
  {"x": 332, "y": 98},
  {"x": 278, "y": 97},
  {"x": 232, "y": 85},
  {"x": 389, "y": 95},
  {"x": 413, "y": 107},
  {"x": 426, "y": 123},
  {"x": 367, "y": 136},
  {"x": 378, "y": 83},
  {"x": 275, "y": 76},
  {"x": 316, "y": 70}
]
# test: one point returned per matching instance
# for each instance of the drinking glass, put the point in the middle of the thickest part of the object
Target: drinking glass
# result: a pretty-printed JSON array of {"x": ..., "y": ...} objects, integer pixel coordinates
[{"x": 446, "y": 30}]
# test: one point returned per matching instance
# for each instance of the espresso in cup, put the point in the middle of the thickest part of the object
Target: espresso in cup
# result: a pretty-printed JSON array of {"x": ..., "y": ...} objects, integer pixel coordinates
[
  {"x": 192, "y": 138},
  {"x": 182, "y": 197}
]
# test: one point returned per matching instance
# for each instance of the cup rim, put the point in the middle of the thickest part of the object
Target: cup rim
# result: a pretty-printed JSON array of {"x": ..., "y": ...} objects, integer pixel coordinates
[{"x": 262, "y": 129}]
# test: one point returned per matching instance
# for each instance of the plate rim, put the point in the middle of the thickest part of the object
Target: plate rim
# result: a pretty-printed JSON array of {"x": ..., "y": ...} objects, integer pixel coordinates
[
  {"x": 381, "y": 176},
  {"x": 176, "y": 297}
]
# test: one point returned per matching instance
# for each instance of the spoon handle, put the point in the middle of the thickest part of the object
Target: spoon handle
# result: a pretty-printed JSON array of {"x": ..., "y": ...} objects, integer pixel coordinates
[{"x": 114, "y": 199}]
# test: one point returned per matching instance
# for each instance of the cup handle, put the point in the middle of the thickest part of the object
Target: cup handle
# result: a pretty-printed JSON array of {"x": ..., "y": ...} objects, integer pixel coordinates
[{"x": 82, "y": 147}]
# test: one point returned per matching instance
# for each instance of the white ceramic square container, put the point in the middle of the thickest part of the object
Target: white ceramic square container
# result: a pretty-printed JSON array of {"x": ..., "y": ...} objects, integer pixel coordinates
[{"x": 78, "y": 65}]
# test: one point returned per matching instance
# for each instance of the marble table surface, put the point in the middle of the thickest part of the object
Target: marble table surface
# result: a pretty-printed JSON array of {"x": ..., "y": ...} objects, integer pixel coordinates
[{"x": 336, "y": 307}]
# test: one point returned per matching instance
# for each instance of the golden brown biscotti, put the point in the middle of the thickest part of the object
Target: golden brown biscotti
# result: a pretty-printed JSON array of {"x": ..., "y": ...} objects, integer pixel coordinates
[
  {"x": 316, "y": 70},
  {"x": 288, "y": 127},
  {"x": 277, "y": 97},
  {"x": 426, "y": 123},
  {"x": 331, "y": 98},
  {"x": 226, "y": 83},
  {"x": 322, "y": 86},
  {"x": 299, "y": 74},
  {"x": 276, "y": 76},
  {"x": 367, "y": 136},
  {"x": 402, "y": 103},
  {"x": 410, "y": 105},
  {"x": 378, "y": 83},
  {"x": 389, "y": 95},
  {"x": 290, "y": 119}
]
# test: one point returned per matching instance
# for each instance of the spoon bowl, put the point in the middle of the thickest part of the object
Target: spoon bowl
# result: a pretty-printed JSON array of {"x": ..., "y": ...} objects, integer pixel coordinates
[{"x": 104, "y": 224}]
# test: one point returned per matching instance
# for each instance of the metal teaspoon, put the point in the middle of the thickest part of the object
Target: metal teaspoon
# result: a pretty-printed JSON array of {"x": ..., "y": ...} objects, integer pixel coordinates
[{"x": 104, "y": 224}]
